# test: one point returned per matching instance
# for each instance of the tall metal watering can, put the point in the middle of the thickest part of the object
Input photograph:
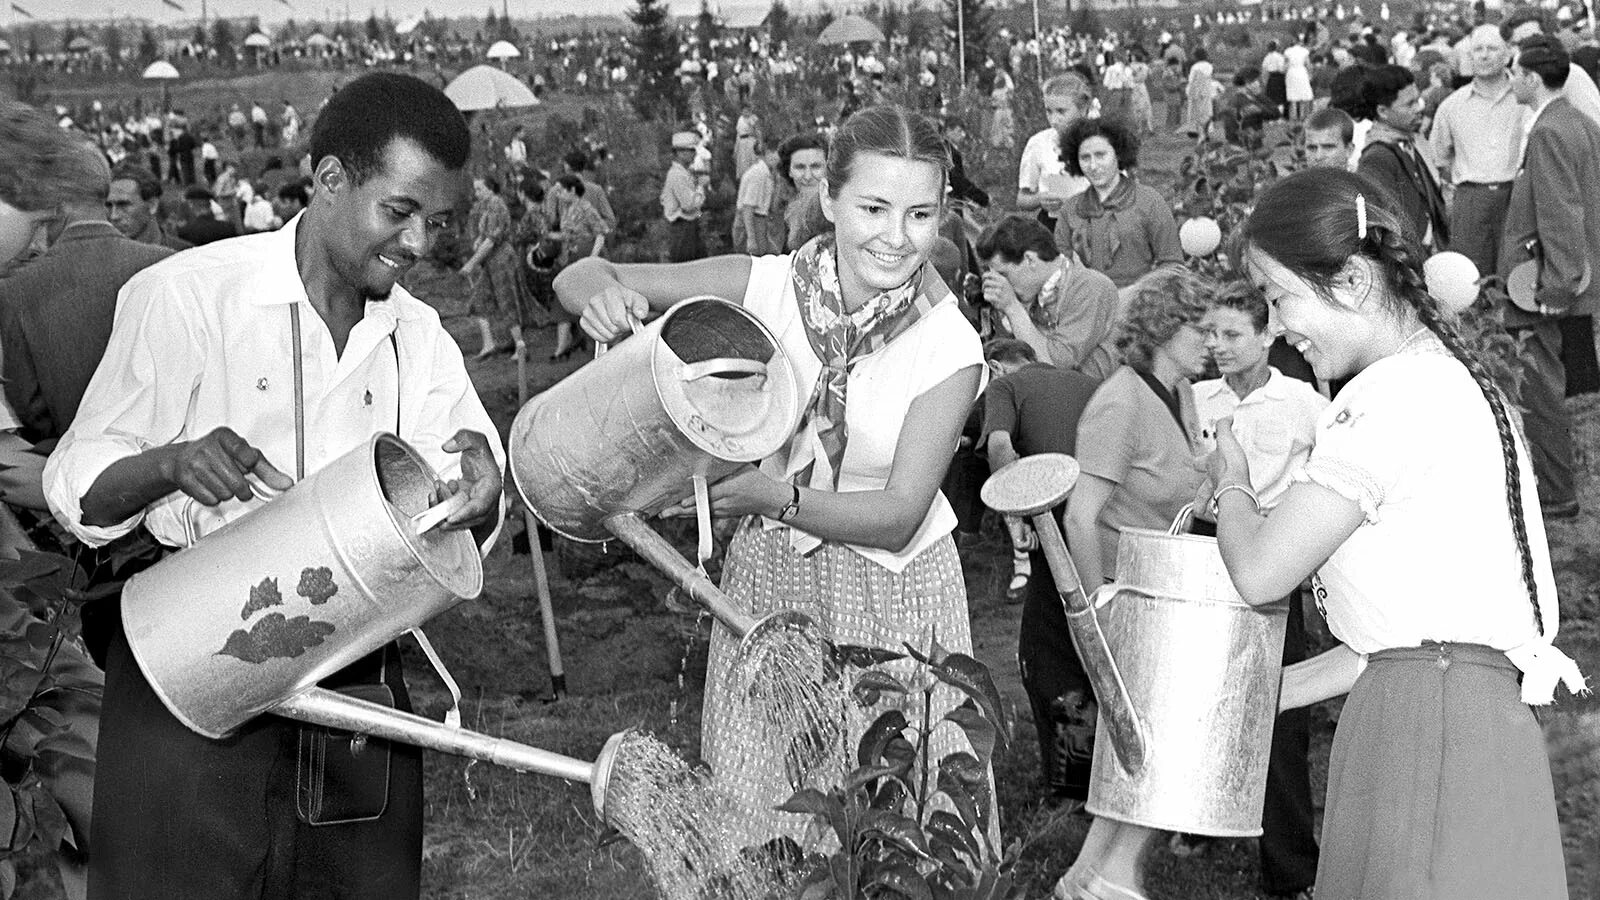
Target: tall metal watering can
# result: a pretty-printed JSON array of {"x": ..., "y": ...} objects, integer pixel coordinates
[
  {"x": 698, "y": 393},
  {"x": 1186, "y": 673},
  {"x": 248, "y": 619}
]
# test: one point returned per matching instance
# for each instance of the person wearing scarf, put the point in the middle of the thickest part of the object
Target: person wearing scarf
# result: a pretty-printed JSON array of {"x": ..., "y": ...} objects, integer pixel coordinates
[
  {"x": 846, "y": 524},
  {"x": 1119, "y": 227}
]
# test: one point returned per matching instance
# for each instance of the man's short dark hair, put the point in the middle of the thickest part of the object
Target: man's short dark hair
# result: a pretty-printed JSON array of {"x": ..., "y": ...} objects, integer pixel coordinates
[
  {"x": 1009, "y": 350},
  {"x": 1523, "y": 16},
  {"x": 1381, "y": 86},
  {"x": 368, "y": 114},
  {"x": 1014, "y": 235},
  {"x": 576, "y": 160},
  {"x": 1330, "y": 118},
  {"x": 149, "y": 187},
  {"x": 572, "y": 182},
  {"x": 296, "y": 192},
  {"x": 1546, "y": 57}
]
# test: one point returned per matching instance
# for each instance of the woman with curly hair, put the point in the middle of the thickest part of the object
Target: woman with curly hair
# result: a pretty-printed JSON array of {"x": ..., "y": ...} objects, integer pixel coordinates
[
  {"x": 1119, "y": 226},
  {"x": 1137, "y": 472}
]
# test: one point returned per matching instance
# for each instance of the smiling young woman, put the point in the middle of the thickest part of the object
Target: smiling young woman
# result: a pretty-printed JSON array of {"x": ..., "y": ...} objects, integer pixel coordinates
[
  {"x": 1417, "y": 518},
  {"x": 1118, "y": 226},
  {"x": 847, "y": 523}
]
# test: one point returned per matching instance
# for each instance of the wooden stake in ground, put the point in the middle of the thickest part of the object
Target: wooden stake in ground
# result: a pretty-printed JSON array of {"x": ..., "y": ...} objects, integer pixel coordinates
[{"x": 541, "y": 586}]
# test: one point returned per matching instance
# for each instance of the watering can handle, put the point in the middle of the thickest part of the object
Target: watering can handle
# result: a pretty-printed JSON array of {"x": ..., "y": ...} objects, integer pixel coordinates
[
  {"x": 723, "y": 366},
  {"x": 1181, "y": 522}
]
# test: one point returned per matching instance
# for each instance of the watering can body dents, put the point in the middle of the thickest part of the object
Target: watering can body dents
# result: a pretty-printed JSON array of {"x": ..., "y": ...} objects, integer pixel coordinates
[
  {"x": 702, "y": 390},
  {"x": 280, "y": 598},
  {"x": 1186, "y": 673}
]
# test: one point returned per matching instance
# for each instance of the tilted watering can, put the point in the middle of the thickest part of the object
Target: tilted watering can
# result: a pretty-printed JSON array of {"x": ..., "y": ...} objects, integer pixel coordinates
[
  {"x": 248, "y": 619},
  {"x": 695, "y": 395},
  {"x": 1186, "y": 673}
]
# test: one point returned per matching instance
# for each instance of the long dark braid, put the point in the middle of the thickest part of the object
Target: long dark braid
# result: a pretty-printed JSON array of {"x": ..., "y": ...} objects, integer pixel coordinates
[{"x": 1405, "y": 274}]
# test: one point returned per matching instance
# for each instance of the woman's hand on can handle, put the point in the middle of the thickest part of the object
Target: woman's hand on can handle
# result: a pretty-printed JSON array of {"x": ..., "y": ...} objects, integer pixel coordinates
[
  {"x": 613, "y": 313},
  {"x": 746, "y": 492},
  {"x": 1227, "y": 464}
]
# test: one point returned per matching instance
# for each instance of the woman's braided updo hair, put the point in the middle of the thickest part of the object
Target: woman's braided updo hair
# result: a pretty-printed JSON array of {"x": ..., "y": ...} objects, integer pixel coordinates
[{"x": 1313, "y": 222}]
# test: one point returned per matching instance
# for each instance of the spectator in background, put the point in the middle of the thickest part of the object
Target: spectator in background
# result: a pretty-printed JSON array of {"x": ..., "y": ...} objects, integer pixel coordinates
[
  {"x": 1032, "y": 407},
  {"x": 291, "y": 200},
  {"x": 1329, "y": 138},
  {"x": 133, "y": 204},
  {"x": 259, "y": 215},
  {"x": 238, "y": 123},
  {"x": 1441, "y": 77},
  {"x": 1477, "y": 143},
  {"x": 1119, "y": 227},
  {"x": 1553, "y": 218},
  {"x": 1042, "y": 180},
  {"x": 1579, "y": 90},
  {"x": 1390, "y": 158},
  {"x": 181, "y": 147},
  {"x": 683, "y": 198},
  {"x": 801, "y": 161},
  {"x": 491, "y": 270},
  {"x": 1062, "y": 309},
  {"x": 581, "y": 164},
  {"x": 259, "y": 122},
  {"x": 290, "y": 118},
  {"x": 209, "y": 157},
  {"x": 582, "y": 234},
  {"x": 752, "y": 232},
  {"x": 1200, "y": 95},
  {"x": 1247, "y": 109},
  {"x": 203, "y": 226}
]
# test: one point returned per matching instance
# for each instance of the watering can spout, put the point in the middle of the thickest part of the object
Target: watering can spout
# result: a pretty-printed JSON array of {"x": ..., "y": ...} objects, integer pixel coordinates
[
  {"x": 330, "y": 709},
  {"x": 1032, "y": 487}
]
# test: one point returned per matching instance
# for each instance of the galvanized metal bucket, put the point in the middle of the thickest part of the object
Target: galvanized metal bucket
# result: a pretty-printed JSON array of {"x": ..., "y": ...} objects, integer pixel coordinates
[
  {"x": 1202, "y": 669},
  {"x": 702, "y": 390},
  {"x": 278, "y": 599}
]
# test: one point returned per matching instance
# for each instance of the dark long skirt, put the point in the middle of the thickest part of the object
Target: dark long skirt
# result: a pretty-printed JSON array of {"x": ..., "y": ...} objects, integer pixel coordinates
[{"x": 1439, "y": 784}]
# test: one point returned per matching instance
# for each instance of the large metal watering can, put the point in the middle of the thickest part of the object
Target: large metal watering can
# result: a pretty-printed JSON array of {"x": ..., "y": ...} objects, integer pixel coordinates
[
  {"x": 248, "y": 619},
  {"x": 1186, "y": 673},
  {"x": 700, "y": 392}
]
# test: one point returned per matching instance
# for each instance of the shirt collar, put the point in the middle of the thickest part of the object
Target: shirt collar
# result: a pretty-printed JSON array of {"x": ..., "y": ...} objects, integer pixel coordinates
[
  {"x": 280, "y": 283},
  {"x": 1496, "y": 97},
  {"x": 1539, "y": 110},
  {"x": 88, "y": 229},
  {"x": 1274, "y": 389}
]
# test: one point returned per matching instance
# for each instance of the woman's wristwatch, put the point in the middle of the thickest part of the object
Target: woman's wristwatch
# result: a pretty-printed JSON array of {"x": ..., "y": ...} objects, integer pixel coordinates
[{"x": 792, "y": 508}]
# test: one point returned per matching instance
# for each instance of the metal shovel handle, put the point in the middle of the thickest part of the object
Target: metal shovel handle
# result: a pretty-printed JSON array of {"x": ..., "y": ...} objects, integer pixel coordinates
[{"x": 632, "y": 530}]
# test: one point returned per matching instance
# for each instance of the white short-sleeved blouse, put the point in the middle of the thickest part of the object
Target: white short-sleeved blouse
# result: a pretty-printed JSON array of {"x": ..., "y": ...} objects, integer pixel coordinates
[
  {"x": 1412, "y": 440},
  {"x": 880, "y": 392}
]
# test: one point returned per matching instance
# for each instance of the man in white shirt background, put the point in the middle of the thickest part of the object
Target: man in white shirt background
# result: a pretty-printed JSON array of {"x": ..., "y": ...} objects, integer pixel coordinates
[{"x": 199, "y": 392}]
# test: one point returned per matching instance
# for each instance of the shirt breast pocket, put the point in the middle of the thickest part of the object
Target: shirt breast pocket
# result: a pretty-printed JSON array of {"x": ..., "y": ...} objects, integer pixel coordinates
[{"x": 1271, "y": 438}]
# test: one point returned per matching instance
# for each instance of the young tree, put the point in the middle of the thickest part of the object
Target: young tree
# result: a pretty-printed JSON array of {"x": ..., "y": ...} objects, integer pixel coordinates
[
  {"x": 69, "y": 33},
  {"x": 148, "y": 48},
  {"x": 777, "y": 21},
  {"x": 222, "y": 37},
  {"x": 705, "y": 30},
  {"x": 656, "y": 58},
  {"x": 113, "y": 44},
  {"x": 491, "y": 23},
  {"x": 891, "y": 18},
  {"x": 374, "y": 28},
  {"x": 969, "y": 22}
]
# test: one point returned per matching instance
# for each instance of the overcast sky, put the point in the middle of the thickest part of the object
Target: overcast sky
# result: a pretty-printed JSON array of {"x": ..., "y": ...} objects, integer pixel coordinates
[{"x": 273, "y": 10}]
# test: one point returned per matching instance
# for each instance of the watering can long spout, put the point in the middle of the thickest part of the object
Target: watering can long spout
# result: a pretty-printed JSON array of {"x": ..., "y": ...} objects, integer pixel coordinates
[
  {"x": 331, "y": 709},
  {"x": 1032, "y": 486},
  {"x": 654, "y": 548}
]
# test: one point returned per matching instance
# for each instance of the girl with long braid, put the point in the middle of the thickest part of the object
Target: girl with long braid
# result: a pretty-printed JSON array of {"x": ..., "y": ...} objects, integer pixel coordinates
[{"x": 1418, "y": 519}]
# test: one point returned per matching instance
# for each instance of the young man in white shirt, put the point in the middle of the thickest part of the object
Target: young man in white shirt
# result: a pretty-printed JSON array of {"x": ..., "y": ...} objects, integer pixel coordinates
[
  {"x": 200, "y": 396},
  {"x": 1042, "y": 180}
]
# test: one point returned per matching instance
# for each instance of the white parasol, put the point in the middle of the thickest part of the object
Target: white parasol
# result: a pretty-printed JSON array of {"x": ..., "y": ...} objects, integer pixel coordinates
[{"x": 485, "y": 87}]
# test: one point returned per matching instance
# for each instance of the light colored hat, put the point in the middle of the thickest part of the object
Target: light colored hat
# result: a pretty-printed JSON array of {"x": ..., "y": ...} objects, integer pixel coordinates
[{"x": 685, "y": 140}]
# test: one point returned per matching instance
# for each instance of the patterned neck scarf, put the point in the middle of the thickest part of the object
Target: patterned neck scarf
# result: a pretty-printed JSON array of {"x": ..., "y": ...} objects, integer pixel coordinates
[{"x": 841, "y": 339}]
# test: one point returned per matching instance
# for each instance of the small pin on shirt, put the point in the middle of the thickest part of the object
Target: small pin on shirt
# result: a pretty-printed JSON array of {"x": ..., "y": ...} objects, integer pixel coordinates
[{"x": 261, "y": 384}]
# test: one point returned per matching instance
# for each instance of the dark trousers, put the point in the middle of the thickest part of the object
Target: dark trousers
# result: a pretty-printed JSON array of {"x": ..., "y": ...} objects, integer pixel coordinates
[
  {"x": 1477, "y": 221},
  {"x": 683, "y": 241},
  {"x": 177, "y": 815},
  {"x": 1577, "y": 355},
  {"x": 1058, "y": 688},
  {"x": 1288, "y": 824},
  {"x": 1546, "y": 422}
]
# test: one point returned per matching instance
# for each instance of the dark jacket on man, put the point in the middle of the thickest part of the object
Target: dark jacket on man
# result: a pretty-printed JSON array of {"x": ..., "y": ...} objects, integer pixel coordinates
[{"x": 55, "y": 320}]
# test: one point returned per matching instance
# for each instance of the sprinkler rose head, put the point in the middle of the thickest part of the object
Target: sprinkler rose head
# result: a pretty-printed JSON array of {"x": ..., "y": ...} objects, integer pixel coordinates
[
  {"x": 1031, "y": 485},
  {"x": 604, "y": 766}
]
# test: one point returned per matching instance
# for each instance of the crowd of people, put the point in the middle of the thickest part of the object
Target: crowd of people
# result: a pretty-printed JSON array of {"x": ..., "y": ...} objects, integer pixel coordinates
[{"x": 1322, "y": 409}]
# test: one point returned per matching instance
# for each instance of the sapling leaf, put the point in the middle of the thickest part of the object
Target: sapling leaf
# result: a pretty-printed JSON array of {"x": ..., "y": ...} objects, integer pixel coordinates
[
  {"x": 953, "y": 788},
  {"x": 980, "y": 731},
  {"x": 946, "y": 828},
  {"x": 964, "y": 767},
  {"x": 866, "y": 775},
  {"x": 903, "y": 879},
  {"x": 898, "y": 828},
  {"x": 973, "y": 679},
  {"x": 876, "y": 739},
  {"x": 8, "y": 817}
]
